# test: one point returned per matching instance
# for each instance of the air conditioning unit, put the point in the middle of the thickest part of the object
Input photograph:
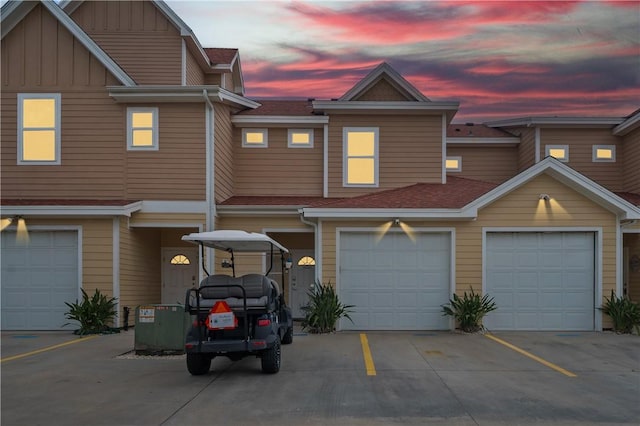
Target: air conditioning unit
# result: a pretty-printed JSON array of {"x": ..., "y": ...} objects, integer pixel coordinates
[{"x": 160, "y": 329}]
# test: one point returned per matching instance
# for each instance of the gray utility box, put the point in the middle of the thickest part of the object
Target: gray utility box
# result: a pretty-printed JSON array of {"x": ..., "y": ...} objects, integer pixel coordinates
[{"x": 160, "y": 329}]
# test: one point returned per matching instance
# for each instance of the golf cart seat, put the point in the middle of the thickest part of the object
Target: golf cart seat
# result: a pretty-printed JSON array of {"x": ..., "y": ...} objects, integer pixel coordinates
[{"x": 259, "y": 290}]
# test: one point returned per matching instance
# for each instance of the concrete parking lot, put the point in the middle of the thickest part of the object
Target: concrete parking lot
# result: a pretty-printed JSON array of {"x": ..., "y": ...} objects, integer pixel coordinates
[{"x": 340, "y": 379}]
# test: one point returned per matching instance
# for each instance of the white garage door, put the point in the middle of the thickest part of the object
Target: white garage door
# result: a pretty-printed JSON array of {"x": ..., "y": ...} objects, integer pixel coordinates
[
  {"x": 394, "y": 282},
  {"x": 541, "y": 281},
  {"x": 37, "y": 278}
]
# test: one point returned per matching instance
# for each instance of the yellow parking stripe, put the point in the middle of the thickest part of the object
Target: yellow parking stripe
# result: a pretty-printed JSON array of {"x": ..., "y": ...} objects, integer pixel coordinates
[
  {"x": 532, "y": 356},
  {"x": 48, "y": 348},
  {"x": 366, "y": 352}
]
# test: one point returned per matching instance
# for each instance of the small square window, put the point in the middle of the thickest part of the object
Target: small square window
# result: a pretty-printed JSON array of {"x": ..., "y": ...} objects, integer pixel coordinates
[
  {"x": 255, "y": 138},
  {"x": 604, "y": 153},
  {"x": 39, "y": 128},
  {"x": 453, "y": 164},
  {"x": 142, "y": 129},
  {"x": 559, "y": 152},
  {"x": 300, "y": 138}
]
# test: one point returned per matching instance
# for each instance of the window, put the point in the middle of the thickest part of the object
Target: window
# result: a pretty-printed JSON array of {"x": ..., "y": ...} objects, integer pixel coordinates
[
  {"x": 180, "y": 259},
  {"x": 39, "y": 128},
  {"x": 300, "y": 138},
  {"x": 255, "y": 138},
  {"x": 360, "y": 151},
  {"x": 142, "y": 129},
  {"x": 307, "y": 261},
  {"x": 453, "y": 164},
  {"x": 559, "y": 152},
  {"x": 604, "y": 153}
]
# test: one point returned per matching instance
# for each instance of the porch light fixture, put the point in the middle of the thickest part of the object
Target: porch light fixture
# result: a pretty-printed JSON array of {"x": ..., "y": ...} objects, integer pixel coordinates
[
  {"x": 288, "y": 263},
  {"x": 544, "y": 197},
  {"x": 396, "y": 221}
]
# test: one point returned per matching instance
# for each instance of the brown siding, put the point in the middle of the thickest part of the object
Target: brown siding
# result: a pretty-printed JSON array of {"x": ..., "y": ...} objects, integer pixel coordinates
[
  {"x": 212, "y": 79},
  {"x": 410, "y": 150},
  {"x": 491, "y": 164},
  {"x": 526, "y": 148},
  {"x": 580, "y": 143},
  {"x": 382, "y": 91},
  {"x": 632, "y": 242},
  {"x": 195, "y": 76},
  {"x": 631, "y": 160},
  {"x": 277, "y": 169},
  {"x": 137, "y": 36},
  {"x": 223, "y": 153},
  {"x": 177, "y": 170}
]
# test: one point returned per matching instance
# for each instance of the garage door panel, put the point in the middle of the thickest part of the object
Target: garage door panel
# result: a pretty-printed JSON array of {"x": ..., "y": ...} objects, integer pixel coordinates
[
  {"x": 556, "y": 293},
  {"x": 402, "y": 287}
]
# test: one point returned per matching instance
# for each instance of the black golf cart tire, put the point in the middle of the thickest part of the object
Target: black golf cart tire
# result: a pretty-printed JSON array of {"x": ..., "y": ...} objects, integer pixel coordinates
[
  {"x": 198, "y": 364},
  {"x": 287, "y": 339},
  {"x": 271, "y": 358}
]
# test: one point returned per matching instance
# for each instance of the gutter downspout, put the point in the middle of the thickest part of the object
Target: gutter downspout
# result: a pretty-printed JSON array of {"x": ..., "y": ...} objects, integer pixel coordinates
[
  {"x": 210, "y": 174},
  {"x": 537, "y": 145},
  {"x": 318, "y": 244}
]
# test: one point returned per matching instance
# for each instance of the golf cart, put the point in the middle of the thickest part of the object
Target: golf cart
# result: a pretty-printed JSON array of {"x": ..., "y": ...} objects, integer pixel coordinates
[{"x": 237, "y": 316}]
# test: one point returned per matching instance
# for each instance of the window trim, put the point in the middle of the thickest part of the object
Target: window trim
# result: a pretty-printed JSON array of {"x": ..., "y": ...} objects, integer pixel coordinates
[
  {"x": 454, "y": 157},
  {"x": 154, "y": 129},
  {"x": 595, "y": 158},
  {"x": 290, "y": 133},
  {"x": 57, "y": 97},
  {"x": 345, "y": 157},
  {"x": 265, "y": 138},
  {"x": 564, "y": 159}
]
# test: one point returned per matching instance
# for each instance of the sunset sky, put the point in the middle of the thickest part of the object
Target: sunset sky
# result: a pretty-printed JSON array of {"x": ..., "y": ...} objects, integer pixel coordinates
[{"x": 498, "y": 59}]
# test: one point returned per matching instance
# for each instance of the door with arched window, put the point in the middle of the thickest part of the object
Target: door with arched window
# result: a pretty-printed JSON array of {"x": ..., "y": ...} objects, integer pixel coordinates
[
  {"x": 301, "y": 280},
  {"x": 179, "y": 273}
]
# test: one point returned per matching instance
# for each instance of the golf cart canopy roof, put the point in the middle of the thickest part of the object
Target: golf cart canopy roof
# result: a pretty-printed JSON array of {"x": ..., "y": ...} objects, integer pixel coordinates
[{"x": 237, "y": 241}]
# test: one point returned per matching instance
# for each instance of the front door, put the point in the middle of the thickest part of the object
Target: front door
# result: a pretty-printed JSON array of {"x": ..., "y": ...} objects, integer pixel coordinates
[
  {"x": 302, "y": 279},
  {"x": 179, "y": 273}
]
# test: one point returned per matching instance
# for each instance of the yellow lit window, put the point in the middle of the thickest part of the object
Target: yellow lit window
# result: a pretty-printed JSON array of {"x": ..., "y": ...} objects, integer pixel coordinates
[
  {"x": 300, "y": 138},
  {"x": 604, "y": 153},
  {"x": 307, "y": 261},
  {"x": 360, "y": 157},
  {"x": 180, "y": 259},
  {"x": 142, "y": 128},
  {"x": 559, "y": 152},
  {"x": 255, "y": 138},
  {"x": 39, "y": 128},
  {"x": 453, "y": 164}
]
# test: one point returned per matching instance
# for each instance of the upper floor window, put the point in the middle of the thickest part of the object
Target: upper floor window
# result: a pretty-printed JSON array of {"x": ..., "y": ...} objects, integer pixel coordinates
[
  {"x": 300, "y": 138},
  {"x": 604, "y": 153},
  {"x": 39, "y": 128},
  {"x": 255, "y": 138},
  {"x": 453, "y": 164},
  {"x": 142, "y": 128},
  {"x": 360, "y": 156},
  {"x": 559, "y": 152}
]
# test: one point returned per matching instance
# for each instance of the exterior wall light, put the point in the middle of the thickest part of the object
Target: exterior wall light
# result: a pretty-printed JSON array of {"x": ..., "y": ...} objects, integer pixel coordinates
[{"x": 545, "y": 197}]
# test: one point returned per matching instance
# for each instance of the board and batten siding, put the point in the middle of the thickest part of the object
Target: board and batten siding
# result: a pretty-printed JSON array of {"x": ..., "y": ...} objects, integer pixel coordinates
[
  {"x": 526, "y": 147},
  {"x": 137, "y": 35},
  {"x": 176, "y": 171},
  {"x": 223, "y": 167},
  {"x": 486, "y": 163},
  {"x": 410, "y": 151},
  {"x": 278, "y": 169},
  {"x": 382, "y": 91},
  {"x": 631, "y": 161},
  {"x": 581, "y": 142},
  {"x": 517, "y": 209}
]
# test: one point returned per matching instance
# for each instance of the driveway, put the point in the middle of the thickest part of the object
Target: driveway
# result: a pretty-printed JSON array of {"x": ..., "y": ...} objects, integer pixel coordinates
[{"x": 346, "y": 378}]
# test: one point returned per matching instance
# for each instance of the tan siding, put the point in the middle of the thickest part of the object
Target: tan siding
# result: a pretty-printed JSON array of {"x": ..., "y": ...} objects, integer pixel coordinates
[
  {"x": 177, "y": 170},
  {"x": 137, "y": 36},
  {"x": 166, "y": 219},
  {"x": 382, "y": 91},
  {"x": 277, "y": 169},
  {"x": 491, "y": 164},
  {"x": 631, "y": 160},
  {"x": 581, "y": 143},
  {"x": 526, "y": 148},
  {"x": 517, "y": 209},
  {"x": 212, "y": 79},
  {"x": 410, "y": 150},
  {"x": 223, "y": 153},
  {"x": 195, "y": 76}
]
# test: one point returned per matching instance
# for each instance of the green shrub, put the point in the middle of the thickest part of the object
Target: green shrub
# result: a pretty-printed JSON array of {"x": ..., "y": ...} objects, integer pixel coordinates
[
  {"x": 324, "y": 309},
  {"x": 469, "y": 310},
  {"x": 624, "y": 313},
  {"x": 94, "y": 314}
]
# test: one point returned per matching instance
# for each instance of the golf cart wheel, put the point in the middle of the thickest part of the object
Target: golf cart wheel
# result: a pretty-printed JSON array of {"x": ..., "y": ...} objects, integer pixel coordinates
[
  {"x": 271, "y": 358},
  {"x": 288, "y": 336},
  {"x": 198, "y": 364}
]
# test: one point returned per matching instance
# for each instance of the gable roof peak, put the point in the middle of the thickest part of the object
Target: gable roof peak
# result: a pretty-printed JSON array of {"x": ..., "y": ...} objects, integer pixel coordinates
[{"x": 384, "y": 70}]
